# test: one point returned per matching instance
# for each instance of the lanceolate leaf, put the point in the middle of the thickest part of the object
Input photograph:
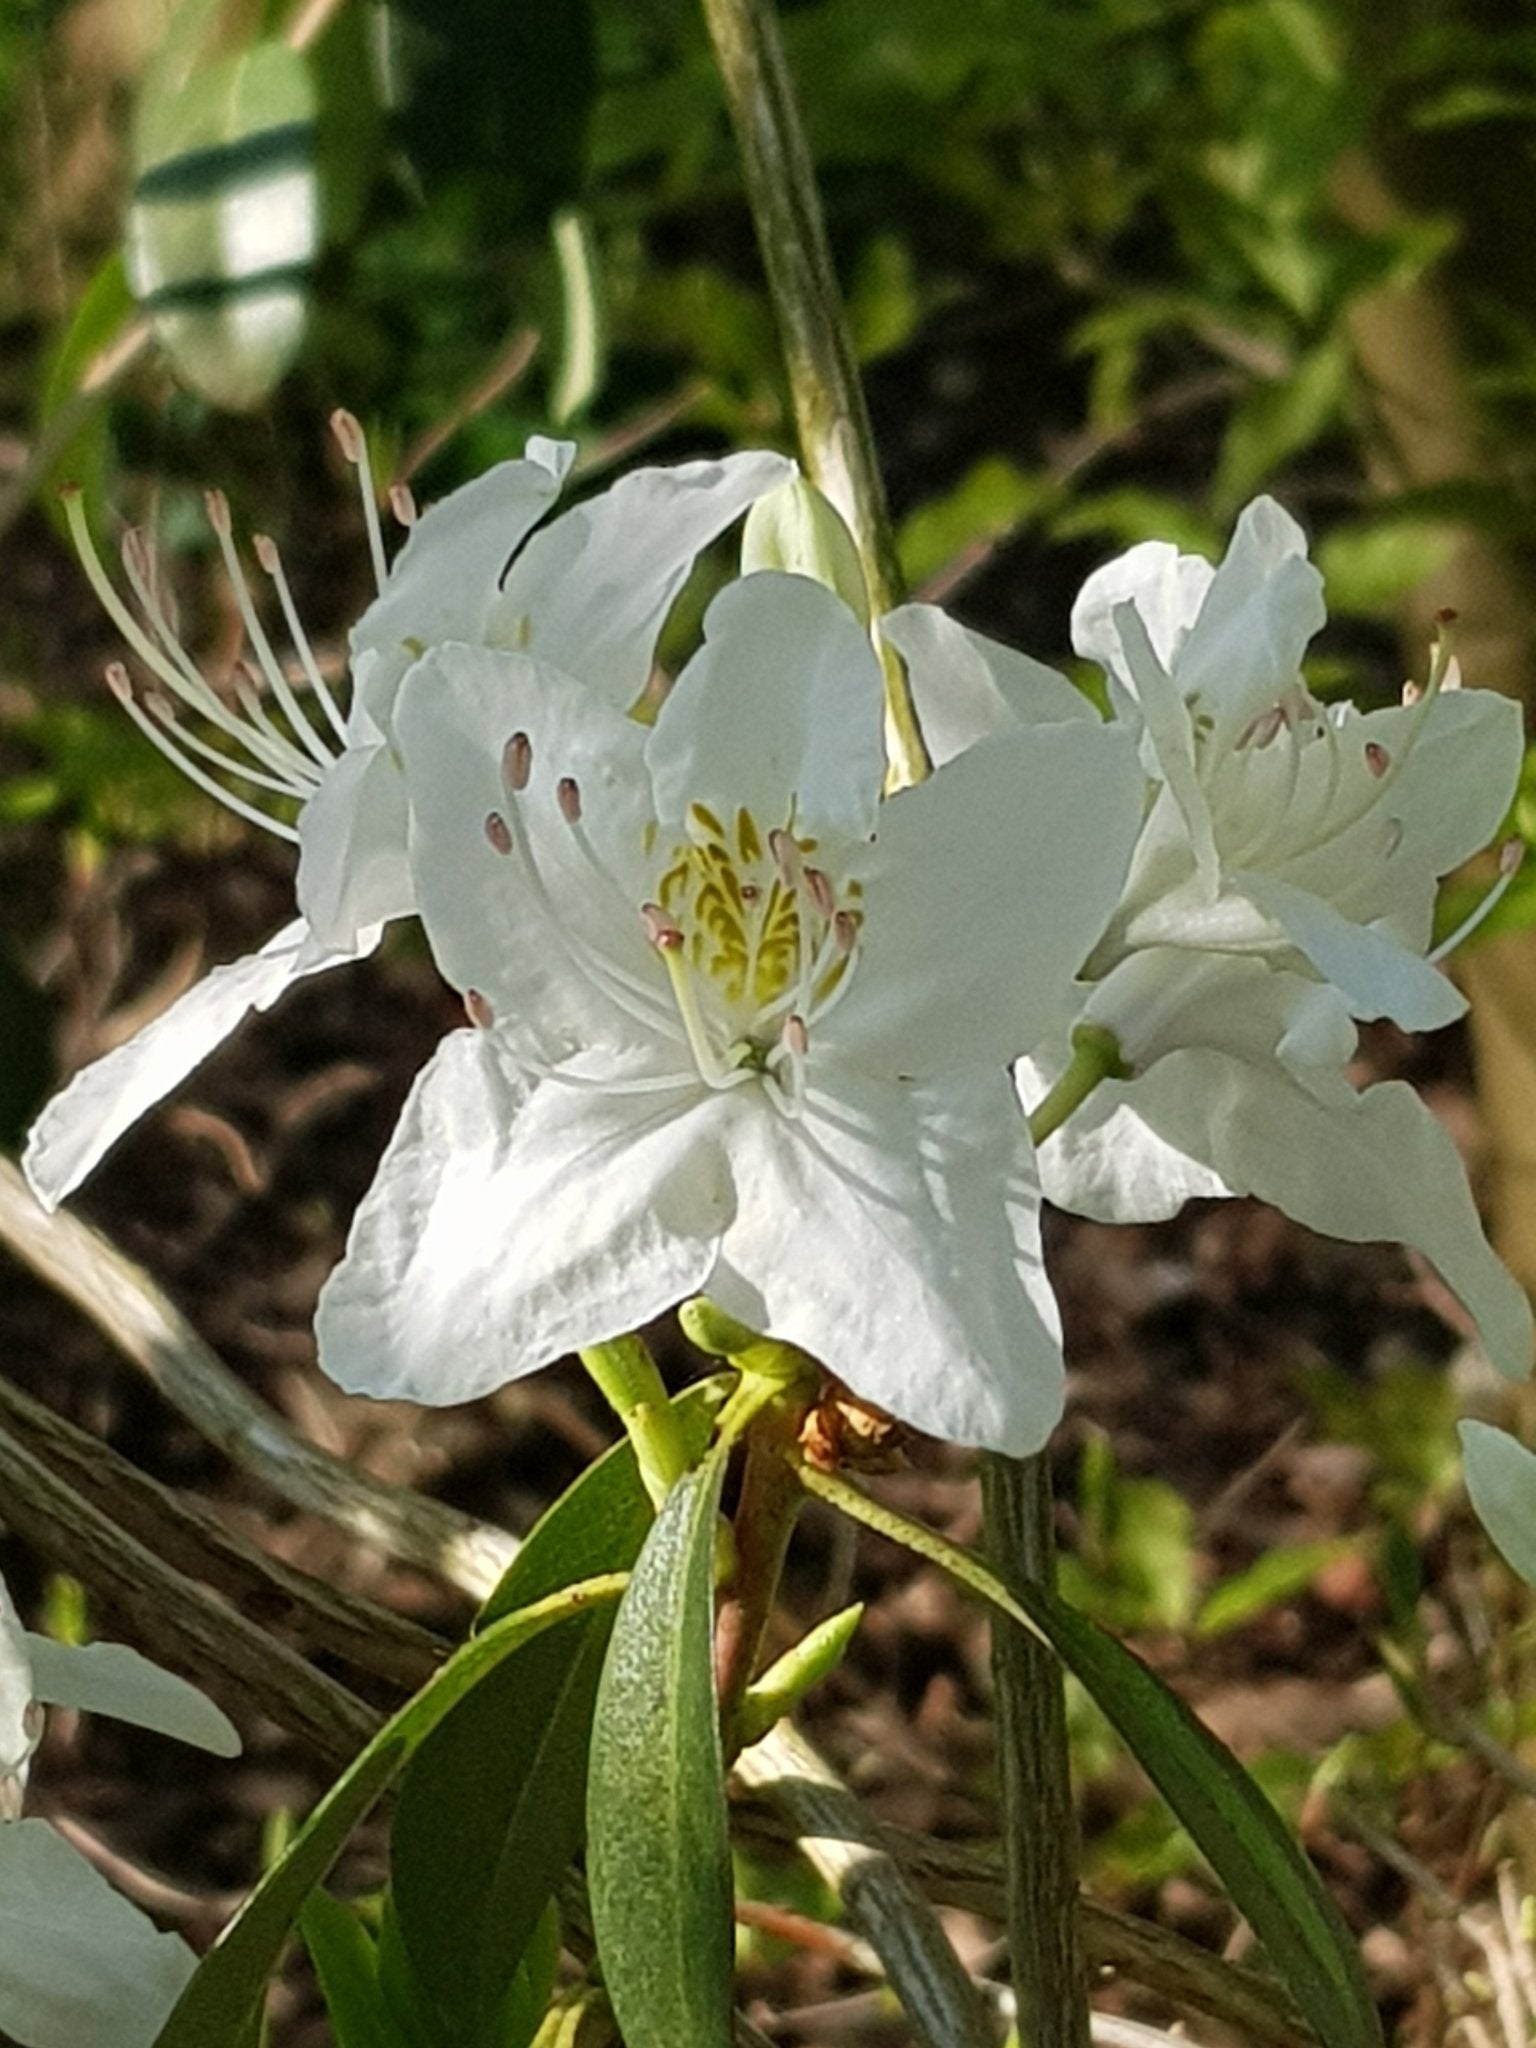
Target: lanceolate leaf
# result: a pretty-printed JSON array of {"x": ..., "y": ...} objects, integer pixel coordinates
[
  {"x": 658, "y": 1853},
  {"x": 491, "y": 1809},
  {"x": 1251, "y": 1850},
  {"x": 346, "y": 1962},
  {"x": 228, "y": 1988}
]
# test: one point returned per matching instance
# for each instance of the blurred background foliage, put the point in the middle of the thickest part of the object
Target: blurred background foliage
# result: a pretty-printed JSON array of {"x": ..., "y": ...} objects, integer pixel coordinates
[{"x": 1113, "y": 266}]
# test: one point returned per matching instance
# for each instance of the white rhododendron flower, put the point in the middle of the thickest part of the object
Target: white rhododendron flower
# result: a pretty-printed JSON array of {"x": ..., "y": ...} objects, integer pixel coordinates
[
  {"x": 80, "y": 1966},
  {"x": 589, "y": 591},
  {"x": 739, "y": 1026},
  {"x": 1501, "y": 1482},
  {"x": 1283, "y": 886}
]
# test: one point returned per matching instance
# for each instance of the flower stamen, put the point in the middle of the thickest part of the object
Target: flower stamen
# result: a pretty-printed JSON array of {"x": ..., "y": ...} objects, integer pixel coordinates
[
  {"x": 353, "y": 443},
  {"x": 265, "y": 550},
  {"x": 158, "y": 736},
  {"x": 1511, "y": 856}
]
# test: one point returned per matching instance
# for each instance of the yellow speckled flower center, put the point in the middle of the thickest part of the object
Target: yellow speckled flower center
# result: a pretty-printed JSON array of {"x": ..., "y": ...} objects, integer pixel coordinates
[{"x": 756, "y": 935}]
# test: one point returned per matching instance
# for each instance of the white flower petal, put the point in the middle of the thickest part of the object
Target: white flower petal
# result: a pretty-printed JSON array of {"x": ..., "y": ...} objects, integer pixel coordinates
[
  {"x": 1264, "y": 604},
  {"x": 1167, "y": 590},
  {"x": 110, "y": 1678},
  {"x": 511, "y": 1222},
  {"x": 1374, "y": 1165},
  {"x": 18, "y": 1726},
  {"x": 1171, "y": 736},
  {"x": 989, "y": 884},
  {"x": 965, "y": 686},
  {"x": 1501, "y": 1481},
  {"x": 86, "y": 1118},
  {"x": 80, "y": 1967},
  {"x": 1160, "y": 999},
  {"x": 1380, "y": 976},
  {"x": 590, "y": 593},
  {"x": 352, "y": 866},
  {"x": 443, "y": 582},
  {"x": 1456, "y": 785},
  {"x": 780, "y": 712},
  {"x": 493, "y": 925},
  {"x": 894, "y": 1234}
]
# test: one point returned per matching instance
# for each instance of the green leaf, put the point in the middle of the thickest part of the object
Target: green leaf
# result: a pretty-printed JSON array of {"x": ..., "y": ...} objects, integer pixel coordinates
[
  {"x": 600, "y": 1523},
  {"x": 658, "y": 1851},
  {"x": 491, "y": 1809},
  {"x": 1278, "y": 1575},
  {"x": 494, "y": 91},
  {"x": 225, "y": 220},
  {"x": 227, "y": 1989},
  {"x": 346, "y": 1963},
  {"x": 489, "y": 1816},
  {"x": 1245, "y": 1841},
  {"x": 403, "y": 1991},
  {"x": 1277, "y": 420},
  {"x": 529, "y": 1993},
  {"x": 75, "y": 419}
]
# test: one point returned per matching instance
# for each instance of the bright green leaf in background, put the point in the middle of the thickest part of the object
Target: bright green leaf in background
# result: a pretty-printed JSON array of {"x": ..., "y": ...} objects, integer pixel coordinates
[{"x": 225, "y": 221}]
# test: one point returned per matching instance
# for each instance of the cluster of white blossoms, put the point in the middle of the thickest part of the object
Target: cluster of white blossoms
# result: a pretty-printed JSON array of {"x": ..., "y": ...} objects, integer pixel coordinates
[
  {"x": 744, "y": 1022},
  {"x": 80, "y": 1965}
]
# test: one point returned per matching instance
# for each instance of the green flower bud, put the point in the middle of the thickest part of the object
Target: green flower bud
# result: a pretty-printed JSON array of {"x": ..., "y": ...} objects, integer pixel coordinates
[{"x": 798, "y": 529}]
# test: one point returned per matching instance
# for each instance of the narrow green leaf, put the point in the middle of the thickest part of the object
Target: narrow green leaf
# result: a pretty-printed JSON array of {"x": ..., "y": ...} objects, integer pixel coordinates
[
  {"x": 346, "y": 1964},
  {"x": 490, "y": 1813},
  {"x": 227, "y": 1989},
  {"x": 600, "y": 1523},
  {"x": 77, "y": 418},
  {"x": 1276, "y": 1576},
  {"x": 1229, "y": 1819},
  {"x": 533, "y": 1984},
  {"x": 491, "y": 1809},
  {"x": 658, "y": 1851},
  {"x": 403, "y": 1990}
]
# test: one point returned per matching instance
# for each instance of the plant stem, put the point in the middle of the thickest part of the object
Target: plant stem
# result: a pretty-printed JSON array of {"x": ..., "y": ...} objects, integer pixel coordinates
[
  {"x": 1040, "y": 1845},
  {"x": 831, "y": 416},
  {"x": 833, "y": 422},
  {"x": 770, "y": 1501},
  {"x": 1095, "y": 1058},
  {"x": 626, "y": 1377}
]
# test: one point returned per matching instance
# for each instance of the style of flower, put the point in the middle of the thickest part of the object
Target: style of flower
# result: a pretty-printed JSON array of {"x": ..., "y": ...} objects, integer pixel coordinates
[
  {"x": 80, "y": 1966},
  {"x": 589, "y": 590},
  {"x": 1282, "y": 887},
  {"x": 738, "y": 1026}
]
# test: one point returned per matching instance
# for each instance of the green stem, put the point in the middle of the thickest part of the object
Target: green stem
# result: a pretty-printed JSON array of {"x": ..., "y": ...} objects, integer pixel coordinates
[
  {"x": 1039, "y": 1819},
  {"x": 626, "y": 1377},
  {"x": 831, "y": 416},
  {"x": 1095, "y": 1058},
  {"x": 1040, "y": 1841}
]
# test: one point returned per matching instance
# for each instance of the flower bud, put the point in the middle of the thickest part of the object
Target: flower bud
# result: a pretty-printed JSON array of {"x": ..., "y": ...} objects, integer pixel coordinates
[{"x": 798, "y": 529}]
